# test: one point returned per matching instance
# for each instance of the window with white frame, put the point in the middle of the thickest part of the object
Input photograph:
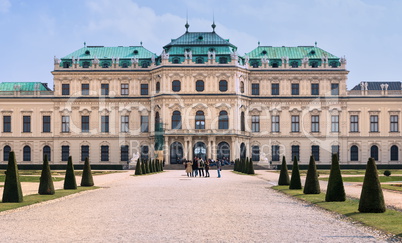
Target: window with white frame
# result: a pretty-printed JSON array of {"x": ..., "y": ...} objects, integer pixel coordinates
[
  {"x": 275, "y": 123},
  {"x": 335, "y": 123}
]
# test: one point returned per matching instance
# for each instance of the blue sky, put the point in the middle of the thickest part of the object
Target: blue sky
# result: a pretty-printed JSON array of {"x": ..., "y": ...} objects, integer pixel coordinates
[{"x": 367, "y": 32}]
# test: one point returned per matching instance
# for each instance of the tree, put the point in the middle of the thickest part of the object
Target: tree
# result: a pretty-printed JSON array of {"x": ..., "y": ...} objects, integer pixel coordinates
[
  {"x": 312, "y": 185},
  {"x": 87, "y": 179},
  {"x": 371, "y": 198},
  {"x": 250, "y": 170},
  {"x": 284, "y": 175},
  {"x": 69, "y": 180},
  {"x": 295, "y": 182},
  {"x": 46, "y": 186},
  {"x": 12, "y": 187},
  {"x": 335, "y": 189},
  {"x": 138, "y": 169}
]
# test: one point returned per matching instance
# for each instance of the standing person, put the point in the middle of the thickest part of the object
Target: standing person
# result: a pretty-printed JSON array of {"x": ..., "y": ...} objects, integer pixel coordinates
[
  {"x": 218, "y": 167},
  {"x": 195, "y": 166},
  {"x": 189, "y": 168},
  {"x": 201, "y": 167},
  {"x": 207, "y": 167}
]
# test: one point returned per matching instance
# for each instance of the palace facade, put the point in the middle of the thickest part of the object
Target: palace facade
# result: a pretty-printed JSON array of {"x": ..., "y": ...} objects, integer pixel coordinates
[{"x": 200, "y": 98}]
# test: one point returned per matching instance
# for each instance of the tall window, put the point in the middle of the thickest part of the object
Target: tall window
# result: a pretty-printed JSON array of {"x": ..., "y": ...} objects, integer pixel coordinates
[
  {"x": 124, "y": 89},
  {"x": 158, "y": 87},
  {"x": 274, "y": 89},
  {"x": 334, "y": 89},
  {"x": 6, "y": 123},
  {"x": 144, "y": 89},
  {"x": 104, "y": 89},
  {"x": 223, "y": 120},
  {"x": 47, "y": 151},
  {"x": 65, "y": 124},
  {"x": 46, "y": 123},
  {"x": 26, "y": 153},
  {"x": 105, "y": 124},
  {"x": 295, "y": 152},
  {"x": 394, "y": 153},
  {"x": 65, "y": 152},
  {"x": 354, "y": 153},
  {"x": 104, "y": 153},
  {"x": 241, "y": 87},
  {"x": 26, "y": 120},
  {"x": 199, "y": 120},
  {"x": 255, "y": 123},
  {"x": 315, "y": 89},
  {"x": 84, "y": 89},
  {"x": 124, "y": 126},
  {"x": 84, "y": 152},
  {"x": 335, "y": 149},
  {"x": 275, "y": 152},
  {"x": 176, "y": 86},
  {"x": 65, "y": 89},
  {"x": 84, "y": 123},
  {"x": 275, "y": 123},
  {"x": 295, "y": 89},
  {"x": 394, "y": 126},
  {"x": 374, "y": 152},
  {"x": 242, "y": 122},
  {"x": 199, "y": 85},
  {"x": 144, "y": 152},
  {"x": 255, "y": 89},
  {"x": 315, "y": 151},
  {"x": 354, "y": 123},
  {"x": 335, "y": 123},
  {"x": 144, "y": 123},
  {"x": 295, "y": 124},
  {"x": 373, "y": 123},
  {"x": 255, "y": 150},
  {"x": 176, "y": 120},
  {"x": 6, "y": 152},
  {"x": 124, "y": 153},
  {"x": 223, "y": 85},
  {"x": 315, "y": 123}
]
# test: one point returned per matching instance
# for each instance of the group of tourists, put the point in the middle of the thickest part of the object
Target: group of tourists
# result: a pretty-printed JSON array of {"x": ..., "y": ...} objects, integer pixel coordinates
[{"x": 198, "y": 166}]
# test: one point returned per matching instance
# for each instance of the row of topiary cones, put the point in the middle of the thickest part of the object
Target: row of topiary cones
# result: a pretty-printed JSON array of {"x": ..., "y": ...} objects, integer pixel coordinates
[
  {"x": 12, "y": 186},
  {"x": 371, "y": 197},
  {"x": 145, "y": 167}
]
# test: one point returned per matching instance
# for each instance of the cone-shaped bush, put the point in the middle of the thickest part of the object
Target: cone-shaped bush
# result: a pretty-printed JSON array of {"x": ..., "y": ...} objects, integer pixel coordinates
[
  {"x": 295, "y": 182},
  {"x": 12, "y": 187},
  {"x": 138, "y": 169},
  {"x": 245, "y": 166},
  {"x": 250, "y": 170},
  {"x": 69, "y": 180},
  {"x": 236, "y": 166},
  {"x": 240, "y": 165},
  {"x": 87, "y": 179},
  {"x": 154, "y": 165},
  {"x": 157, "y": 167},
  {"x": 143, "y": 169},
  {"x": 147, "y": 166},
  {"x": 371, "y": 198},
  {"x": 46, "y": 186},
  {"x": 163, "y": 162},
  {"x": 312, "y": 186},
  {"x": 335, "y": 189},
  {"x": 284, "y": 175}
]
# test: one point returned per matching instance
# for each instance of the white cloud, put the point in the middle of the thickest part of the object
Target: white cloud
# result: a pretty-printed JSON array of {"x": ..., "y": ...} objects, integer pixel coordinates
[{"x": 5, "y": 5}]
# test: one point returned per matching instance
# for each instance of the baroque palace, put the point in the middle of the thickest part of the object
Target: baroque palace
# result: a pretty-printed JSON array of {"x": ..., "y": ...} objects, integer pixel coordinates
[{"x": 200, "y": 98}]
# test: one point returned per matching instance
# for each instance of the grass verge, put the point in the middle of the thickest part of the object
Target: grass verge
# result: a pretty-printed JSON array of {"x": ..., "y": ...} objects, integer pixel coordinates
[
  {"x": 392, "y": 187},
  {"x": 389, "y": 222},
  {"x": 31, "y": 178},
  {"x": 36, "y": 198},
  {"x": 361, "y": 178}
]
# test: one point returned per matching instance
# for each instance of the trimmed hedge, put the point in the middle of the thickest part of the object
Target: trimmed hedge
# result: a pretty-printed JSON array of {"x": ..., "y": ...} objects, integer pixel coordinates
[
  {"x": 312, "y": 186},
  {"x": 46, "y": 186},
  {"x": 335, "y": 188},
  {"x": 284, "y": 175},
  {"x": 69, "y": 180},
  {"x": 295, "y": 182},
  {"x": 87, "y": 179},
  {"x": 12, "y": 187}
]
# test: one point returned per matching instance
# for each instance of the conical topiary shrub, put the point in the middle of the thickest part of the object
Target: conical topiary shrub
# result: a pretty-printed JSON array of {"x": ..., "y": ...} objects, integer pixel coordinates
[
  {"x": 162, "y": 164},
  {"x": 312, "y": 186},
  {"x": 46, "y": 186},
  {"x": 87, "y": 179},
  {"x": 147, "y": 166},
  {"x": 295, "y": 182},
  {"x": 371, "y": 198},
  {"x": 12, "y": 187},
  {"x": 284, "y": 175},
  {"x": 245, "y": 166},
  {"x": 69, "y": 180},
  {"x": 250, "y": 170},
  {"x": 335, "y": 189},
  {"x": 138, "y": 169},
  {"x": 143, "y": 169}
]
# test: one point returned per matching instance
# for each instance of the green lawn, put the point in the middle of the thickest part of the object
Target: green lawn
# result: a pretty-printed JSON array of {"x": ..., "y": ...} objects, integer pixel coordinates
[
  {"x": 393, "y": 187},
  {"x": 36, "y": 198},
  {"x": 390, "y": 221},
  {"x": 361, "y": 178},
  {"x": 345, "y": 172},
  {"x": 30, "y": 178}
]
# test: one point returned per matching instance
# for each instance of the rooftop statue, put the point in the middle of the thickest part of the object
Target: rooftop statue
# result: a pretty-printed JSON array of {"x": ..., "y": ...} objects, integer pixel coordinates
[
  {"x": 342, "y": 60},
  {"x": 265, "y": 59},
  {"x": 95, "y": 61},
  {"x": 305, "y": 60},
  {"x": 234, "y": 55},
  {"x": 56, "y": 60},
  {"x": 165, "y": 55},
  {"x": 247, "y": 59},
  {"x": 153, "y": 58}
]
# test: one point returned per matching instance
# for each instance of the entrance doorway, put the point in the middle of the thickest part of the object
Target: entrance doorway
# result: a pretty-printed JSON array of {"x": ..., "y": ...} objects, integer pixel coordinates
[
  {"x": 176, "y": 153},
  {"x": 223, "y": 151},
  {"x": 200, "y": 150}
]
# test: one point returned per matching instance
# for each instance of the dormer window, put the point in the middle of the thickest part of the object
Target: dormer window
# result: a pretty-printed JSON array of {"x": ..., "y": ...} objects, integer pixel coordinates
[
  {"x": 211, "y": 49},
  {"x": 176, "y": 60},
  {"x": 275, "y": 64},
  {"x": 333, "y": 64},
  {"x": 66, "y": 64},
  {"x": 124, "y": 65},
  {"x": 264, "y": 52},
  {"x": 254, "y": 64},
  {"x": 87, "y": 52},
  {"x": 85, "y": 64},
  {"x": 314, "y": 64},
  {"x": 199, "y": 60},
  {"x": 145, "y": 64},
  {"x": 223, "y": 60},
  {"x": 105, "y": 65},
  {"x": 135, "y": 52},
  {"x": 294, "y": 64}
]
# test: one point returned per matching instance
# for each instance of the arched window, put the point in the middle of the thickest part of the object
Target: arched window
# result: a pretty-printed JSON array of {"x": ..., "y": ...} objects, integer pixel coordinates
[
  {"x": 199, "y": 60},
  {"x": 158, "y": 87},
  {"x": 394, "y": 153},
  {"x": 176, "y": 60},
  {"x": 243, "y": 151},
  {"x": 242, "y": 122},
  {"x": 6, "y": 152},
  {"x": 333, "y": 64},
  {"x": 26, "y": 153},
  {"x": 157, "y": 121},
  {"x": 105, "y": 65},
  {"x": 199, "y": 85},
  {"x": 275, "y": 64},
  {"x": 223, "y": 85},
  {"x": 47, "y": 151},
  {"x": 314, "y": 64},
  {"x": 85, "y": 64},
  {"x": 104, "y": 153},
  {"x": 223, "y": 60},
  {"x": 144, "y": 152},
  {"x": 242, "y": 87},
  {"x": 223, "y": 120},
  {"x": 124, "y": 153},
  {"x": 255, "y": 150},
  {"x": 354, "y": 153},
  {"x": 294, "y": 64},
  {"x": 254, "y": 64},
  {"x": 199, "y": 120},
  {"x": 176, "y": 85},
  {"x": 176, "y": 120},
  {"x": 374, "y": 152},
  {"x": 145, "y": 64},
  {"x": 124, "y": 65},
  {"x": 66, "y": 65}
]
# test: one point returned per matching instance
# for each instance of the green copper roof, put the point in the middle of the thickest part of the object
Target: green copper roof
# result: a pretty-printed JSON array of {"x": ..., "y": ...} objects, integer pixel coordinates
[
  {"x": 199, "y": 39},
  {"x": 200, "y": 50},
  {"x": 101, "y": 52},
  {"x": 24, "y": 86},
  {"x": 298, "y": 52}
]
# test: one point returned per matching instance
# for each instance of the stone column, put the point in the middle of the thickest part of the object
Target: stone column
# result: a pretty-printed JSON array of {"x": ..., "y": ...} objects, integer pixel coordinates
[
  {"x": 167, "y": 150},
  {"x": 190, "y": 147},
  {"x": 185, "y": 149},
  {"x": 233, "y": 149}
]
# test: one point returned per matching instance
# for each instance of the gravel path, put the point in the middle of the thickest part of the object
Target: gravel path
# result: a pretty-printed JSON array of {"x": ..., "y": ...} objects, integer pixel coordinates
[{"x": 169, "y": 207}]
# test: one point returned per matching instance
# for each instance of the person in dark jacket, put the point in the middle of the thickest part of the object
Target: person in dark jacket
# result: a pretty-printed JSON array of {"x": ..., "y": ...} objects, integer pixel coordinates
[
  {"x": 195, "y": 167},
  {"x": 207, "y": 167}
]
